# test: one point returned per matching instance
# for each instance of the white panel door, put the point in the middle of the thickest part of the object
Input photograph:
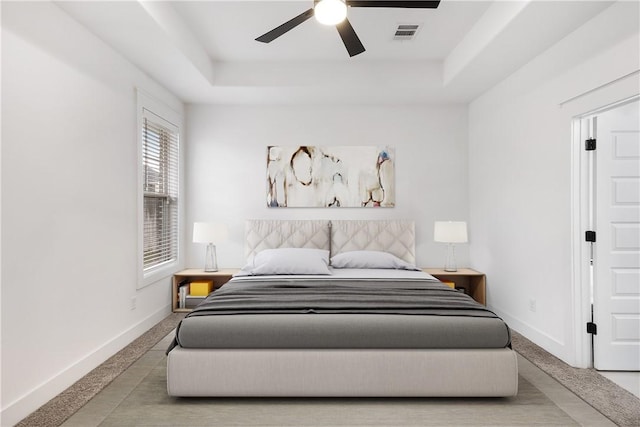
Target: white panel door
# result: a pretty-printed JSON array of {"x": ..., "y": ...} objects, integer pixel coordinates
[{"x": 617, "y": 248}]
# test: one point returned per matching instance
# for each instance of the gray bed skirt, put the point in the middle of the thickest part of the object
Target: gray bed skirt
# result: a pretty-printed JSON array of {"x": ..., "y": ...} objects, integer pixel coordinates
[{"x": 342, "y": 372}]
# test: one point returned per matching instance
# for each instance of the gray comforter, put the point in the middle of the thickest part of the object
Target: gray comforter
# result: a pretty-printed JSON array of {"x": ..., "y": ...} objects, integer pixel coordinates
[
  {"x": 340, "y": 313},
  {"x": 339, "y": 296}
]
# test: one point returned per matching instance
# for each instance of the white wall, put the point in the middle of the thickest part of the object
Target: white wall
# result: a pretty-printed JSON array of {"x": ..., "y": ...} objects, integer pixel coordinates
[
  {"x": 522, "y": 186},
  {"x": 226, "y": 176},
  {"x": 69, "y": 205}
]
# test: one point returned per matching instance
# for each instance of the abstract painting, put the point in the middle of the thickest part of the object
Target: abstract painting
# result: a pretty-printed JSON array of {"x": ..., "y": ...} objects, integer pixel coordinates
[{"x": 330, "y": 176}]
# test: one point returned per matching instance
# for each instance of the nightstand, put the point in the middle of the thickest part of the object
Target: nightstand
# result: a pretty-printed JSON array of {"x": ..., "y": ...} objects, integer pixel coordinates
[
  {"x": 473, "y": 282},
  {"x": 219, "y": 278}
]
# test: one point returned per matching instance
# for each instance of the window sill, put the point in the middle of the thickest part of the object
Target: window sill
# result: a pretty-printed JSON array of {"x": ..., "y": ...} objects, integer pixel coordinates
[{"x": 156, "y": 274}]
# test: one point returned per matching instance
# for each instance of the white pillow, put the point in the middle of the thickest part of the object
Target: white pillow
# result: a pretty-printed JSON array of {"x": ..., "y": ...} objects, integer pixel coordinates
[
  {"x": 289, "y": 261},
  {"x": 370, "y": 259}
]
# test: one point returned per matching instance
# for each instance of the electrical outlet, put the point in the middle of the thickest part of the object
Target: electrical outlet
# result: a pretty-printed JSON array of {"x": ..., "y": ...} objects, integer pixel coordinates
[
  {"x": 532, "y": 305},
  {"x": 133, "y": 302}
]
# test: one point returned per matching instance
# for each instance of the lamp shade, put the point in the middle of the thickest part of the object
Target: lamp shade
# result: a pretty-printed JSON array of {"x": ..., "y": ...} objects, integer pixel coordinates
[
  {"x": 450, "y": 231},
  {"x": 207, "y": 232}
]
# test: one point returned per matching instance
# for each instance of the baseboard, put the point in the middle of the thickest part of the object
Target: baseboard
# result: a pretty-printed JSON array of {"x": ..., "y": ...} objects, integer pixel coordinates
[
  {"x": 548, "y": 343},
  {"x": 17, "y": 410}
]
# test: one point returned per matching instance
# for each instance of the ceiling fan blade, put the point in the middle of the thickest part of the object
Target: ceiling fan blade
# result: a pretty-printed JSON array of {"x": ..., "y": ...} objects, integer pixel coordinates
[
  {"x": 350, "y": 38},
  {"x": 418, "y": 4},
  {"x": 287, "y": 26}
]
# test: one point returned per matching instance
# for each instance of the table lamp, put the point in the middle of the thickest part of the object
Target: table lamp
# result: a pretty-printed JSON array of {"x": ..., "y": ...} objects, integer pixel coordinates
[
  {"x": 209, "y": 233},
  {"x": 450, "y": 232}
]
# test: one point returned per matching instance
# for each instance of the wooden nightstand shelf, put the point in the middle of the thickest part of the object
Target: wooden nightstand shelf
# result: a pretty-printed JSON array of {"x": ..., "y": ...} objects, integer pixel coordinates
[
  {"x": 473, "y": 282},
  {"x": 219, "y": 278}
]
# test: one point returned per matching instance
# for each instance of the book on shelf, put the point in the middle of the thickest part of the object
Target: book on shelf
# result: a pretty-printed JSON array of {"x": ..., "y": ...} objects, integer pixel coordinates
[{"x": 183, "y": 291}]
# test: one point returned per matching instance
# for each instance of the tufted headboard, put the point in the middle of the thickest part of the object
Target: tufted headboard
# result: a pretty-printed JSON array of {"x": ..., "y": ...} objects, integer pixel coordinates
[
  {"x": 394, "y": 236},
  {"x": 263, "y": 234}
]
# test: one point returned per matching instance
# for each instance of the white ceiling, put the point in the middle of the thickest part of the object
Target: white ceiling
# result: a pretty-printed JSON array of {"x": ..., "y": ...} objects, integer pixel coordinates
[
  {"x": 205, "y": 52},
  {"x": 228, "y": 30}
]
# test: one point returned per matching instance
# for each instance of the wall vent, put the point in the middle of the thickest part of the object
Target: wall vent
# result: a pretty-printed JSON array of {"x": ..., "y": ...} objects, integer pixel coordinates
[{"x": 406, "y": 31}]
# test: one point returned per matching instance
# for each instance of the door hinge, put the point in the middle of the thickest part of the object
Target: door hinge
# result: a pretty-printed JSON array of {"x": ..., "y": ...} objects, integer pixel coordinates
[
  {"x": 590, "y": 144},
  {"x": 592, "y": 328},
  {"x": 590, "y": 236}
]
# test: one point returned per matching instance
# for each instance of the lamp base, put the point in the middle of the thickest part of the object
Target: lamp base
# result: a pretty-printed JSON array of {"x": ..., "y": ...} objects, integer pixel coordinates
[
  {"x": 210, "y": 260},
  {"x": 450, "y": 260}
]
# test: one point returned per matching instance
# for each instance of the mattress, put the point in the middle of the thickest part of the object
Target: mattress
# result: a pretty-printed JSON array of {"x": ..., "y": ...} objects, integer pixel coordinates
[{"x": 376, "y": 309}]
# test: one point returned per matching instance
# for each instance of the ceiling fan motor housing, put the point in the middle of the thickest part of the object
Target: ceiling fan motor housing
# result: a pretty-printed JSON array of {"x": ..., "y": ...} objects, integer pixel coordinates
[{"x": 330, "y": 12}]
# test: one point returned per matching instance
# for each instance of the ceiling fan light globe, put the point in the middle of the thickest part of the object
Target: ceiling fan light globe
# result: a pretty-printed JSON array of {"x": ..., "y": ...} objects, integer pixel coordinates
[{"x": 330, "y": 12}]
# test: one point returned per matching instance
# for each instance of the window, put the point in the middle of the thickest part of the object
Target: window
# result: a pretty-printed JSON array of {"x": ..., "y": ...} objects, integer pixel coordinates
[{"x": 160, "y": 174}]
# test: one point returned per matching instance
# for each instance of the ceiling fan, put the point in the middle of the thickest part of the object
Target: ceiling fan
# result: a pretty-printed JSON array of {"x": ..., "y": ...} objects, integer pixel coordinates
[{"x": 334, "y": 12}]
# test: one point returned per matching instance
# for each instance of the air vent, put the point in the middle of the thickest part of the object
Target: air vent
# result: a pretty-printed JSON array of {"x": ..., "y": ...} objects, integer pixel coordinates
[{"x": 406, "y": 31}]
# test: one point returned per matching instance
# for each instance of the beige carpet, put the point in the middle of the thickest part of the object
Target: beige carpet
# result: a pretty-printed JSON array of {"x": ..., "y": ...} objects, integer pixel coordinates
[
  {"x": 616, "y": 403},
  {"x": 147, "y": 391}
]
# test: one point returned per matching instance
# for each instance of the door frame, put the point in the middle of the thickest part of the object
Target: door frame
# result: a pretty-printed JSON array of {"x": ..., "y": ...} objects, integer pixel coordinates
[{"x": 581, "y": 222}]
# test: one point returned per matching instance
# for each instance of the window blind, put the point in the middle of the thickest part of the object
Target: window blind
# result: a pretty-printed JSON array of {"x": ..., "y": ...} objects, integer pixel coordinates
[{"x": 160, "y": 161}]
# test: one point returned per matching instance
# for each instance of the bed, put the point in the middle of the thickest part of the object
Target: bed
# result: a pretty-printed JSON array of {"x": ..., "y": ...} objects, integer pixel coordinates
[{"x": 368, "y": 325}]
